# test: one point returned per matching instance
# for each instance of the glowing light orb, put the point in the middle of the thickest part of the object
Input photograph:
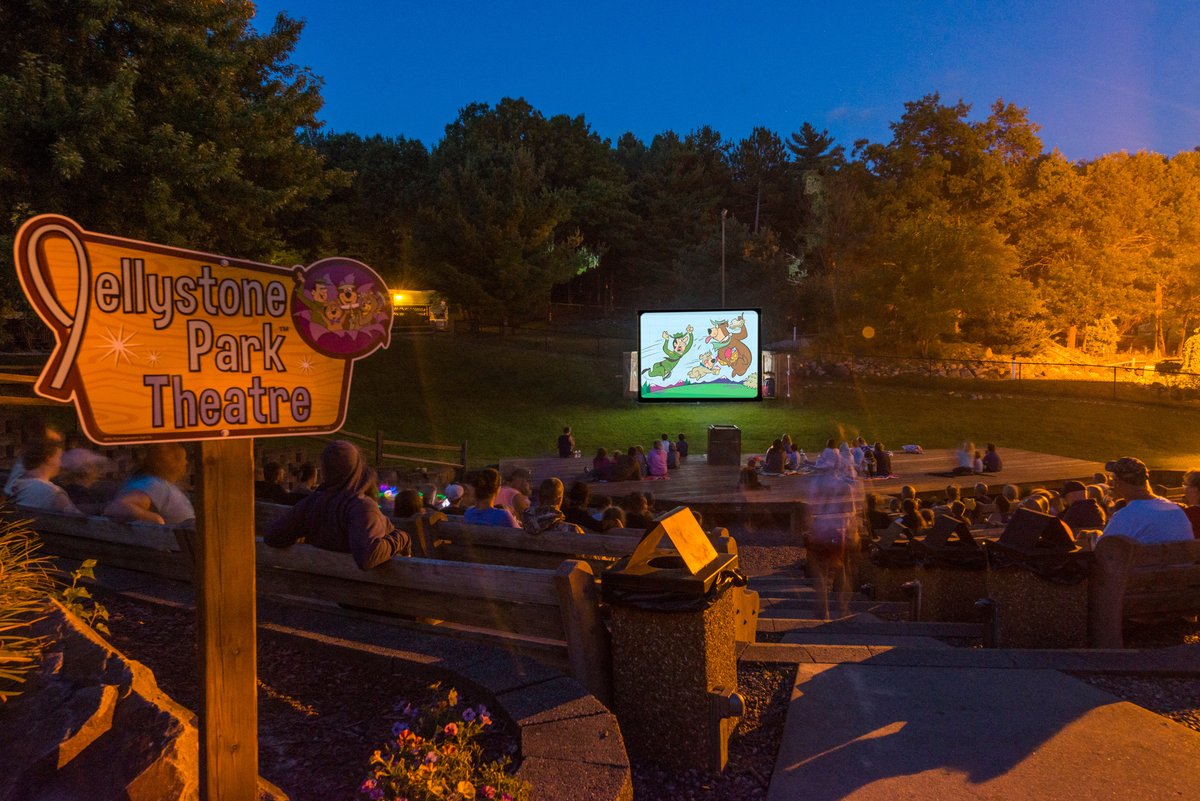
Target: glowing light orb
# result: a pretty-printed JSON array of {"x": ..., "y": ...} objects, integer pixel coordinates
[{"x": 868, "y": 332}]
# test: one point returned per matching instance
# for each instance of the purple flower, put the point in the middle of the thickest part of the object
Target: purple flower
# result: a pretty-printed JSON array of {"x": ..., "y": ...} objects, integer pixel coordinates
[
  {"x": 507, "y": 797},
  {"x": 468, "y": 714},
  {"x": 399, "y": 728},
  {"x": 376, "y": 794}
]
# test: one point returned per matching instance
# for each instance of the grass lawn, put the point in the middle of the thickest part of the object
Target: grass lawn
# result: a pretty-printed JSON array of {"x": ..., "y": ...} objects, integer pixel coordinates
[{"x": 511, "y": 397}]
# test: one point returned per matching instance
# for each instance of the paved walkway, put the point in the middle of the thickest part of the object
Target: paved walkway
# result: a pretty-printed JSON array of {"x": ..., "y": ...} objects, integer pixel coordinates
[{"x": 883, "y": 712}]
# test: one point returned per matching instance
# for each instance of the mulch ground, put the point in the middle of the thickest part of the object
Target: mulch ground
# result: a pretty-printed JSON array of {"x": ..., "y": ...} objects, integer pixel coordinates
[{"x": 319, "y": 717}]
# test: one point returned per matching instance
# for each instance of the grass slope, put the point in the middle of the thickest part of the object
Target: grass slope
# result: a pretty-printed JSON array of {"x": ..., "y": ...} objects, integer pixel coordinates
[{"x": 511, "y": 397}]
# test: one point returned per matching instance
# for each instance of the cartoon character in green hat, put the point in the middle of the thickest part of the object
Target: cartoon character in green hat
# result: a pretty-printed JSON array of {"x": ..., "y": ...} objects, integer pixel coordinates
[{"x": 674, "y": 347}]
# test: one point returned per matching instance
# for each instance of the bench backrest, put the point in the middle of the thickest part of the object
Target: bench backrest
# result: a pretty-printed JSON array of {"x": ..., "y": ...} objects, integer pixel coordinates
[
  {"x": 449, "y": 538},
  {"x": 143, "y": 547},
  {"x": 561, "y": 605},
  {"x": 1130, "y": 580}
]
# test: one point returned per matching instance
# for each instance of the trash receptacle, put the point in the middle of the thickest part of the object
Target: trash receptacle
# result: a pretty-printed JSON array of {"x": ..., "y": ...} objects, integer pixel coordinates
[
  {"x": 952, "y": 572},
  {"x": 1037, "y": 582},
  {"x": 673, "y": 646},
  {"x": 724, "y": 444}
]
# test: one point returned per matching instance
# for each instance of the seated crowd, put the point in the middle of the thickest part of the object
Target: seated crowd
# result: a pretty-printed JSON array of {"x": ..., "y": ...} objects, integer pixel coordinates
[
  {"x": 635, "y": 463},
  {"x": 1118, "y": 502}
]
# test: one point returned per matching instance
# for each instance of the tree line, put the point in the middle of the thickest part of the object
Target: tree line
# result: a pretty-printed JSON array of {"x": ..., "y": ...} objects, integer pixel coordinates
[{"x": 178, "y": 123}]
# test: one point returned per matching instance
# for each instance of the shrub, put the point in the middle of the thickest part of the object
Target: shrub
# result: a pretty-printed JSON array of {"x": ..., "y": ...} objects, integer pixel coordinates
[
  {"x": 25, "y": 582},
  {"x": 434, "y": 755}
]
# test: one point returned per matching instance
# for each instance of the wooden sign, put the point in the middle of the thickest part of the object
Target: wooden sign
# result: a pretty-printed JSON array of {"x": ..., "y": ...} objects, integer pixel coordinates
[{"x": 159, "y": 343}]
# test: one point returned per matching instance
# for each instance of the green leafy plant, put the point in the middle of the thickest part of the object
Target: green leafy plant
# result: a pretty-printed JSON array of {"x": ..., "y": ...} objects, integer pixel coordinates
[
  {"x": 434, "y": 755},
  {"x": 26, "y": 580},
  {"x": 76, "y": 598}
]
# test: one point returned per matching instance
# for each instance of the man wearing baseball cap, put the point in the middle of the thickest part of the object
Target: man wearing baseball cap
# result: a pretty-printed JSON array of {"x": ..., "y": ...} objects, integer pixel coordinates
[{"x": 1146, "y": 518}]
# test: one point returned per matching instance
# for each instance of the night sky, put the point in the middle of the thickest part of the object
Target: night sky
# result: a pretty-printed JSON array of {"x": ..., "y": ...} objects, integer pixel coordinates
[{"x": 1098, "y": 77}]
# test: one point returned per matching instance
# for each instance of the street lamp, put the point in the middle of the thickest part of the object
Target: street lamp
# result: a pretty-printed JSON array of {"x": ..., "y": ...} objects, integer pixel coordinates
[{"x": 724, "y": 214}]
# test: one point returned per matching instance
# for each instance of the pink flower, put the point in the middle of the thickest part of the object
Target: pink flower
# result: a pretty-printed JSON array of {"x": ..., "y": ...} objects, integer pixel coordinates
[
  {"x": 488, "y": 791},
  {"x": 451, "y": 729},
  {"x": 431, "y": 758},
  {"x": 367, "y": 785},
  {"x": 485, "y": 721}
]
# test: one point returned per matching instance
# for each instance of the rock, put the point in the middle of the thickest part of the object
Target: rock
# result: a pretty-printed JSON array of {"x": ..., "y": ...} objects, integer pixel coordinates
[{"x": 92, "y": 724}]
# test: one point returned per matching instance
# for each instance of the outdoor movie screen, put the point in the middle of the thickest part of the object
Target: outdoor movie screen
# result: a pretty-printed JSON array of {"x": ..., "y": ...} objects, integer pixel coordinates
[{"x": 701, "y": 355}]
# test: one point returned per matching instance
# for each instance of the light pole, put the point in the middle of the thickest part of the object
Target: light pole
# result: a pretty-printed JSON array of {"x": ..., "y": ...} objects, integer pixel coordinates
[{"x": 724, "y": 214}]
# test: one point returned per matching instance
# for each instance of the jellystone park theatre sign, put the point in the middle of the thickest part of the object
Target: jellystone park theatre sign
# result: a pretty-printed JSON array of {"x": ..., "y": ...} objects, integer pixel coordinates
[{"x": 159, "y": 343}]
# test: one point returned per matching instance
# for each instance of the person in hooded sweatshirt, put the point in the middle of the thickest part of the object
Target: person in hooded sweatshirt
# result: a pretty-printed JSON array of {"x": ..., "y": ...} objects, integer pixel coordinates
[{"x": 342, "y": 515}]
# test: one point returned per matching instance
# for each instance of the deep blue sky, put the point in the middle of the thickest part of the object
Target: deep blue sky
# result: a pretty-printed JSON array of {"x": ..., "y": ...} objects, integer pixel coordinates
[{"x": 1097, "y": 76}]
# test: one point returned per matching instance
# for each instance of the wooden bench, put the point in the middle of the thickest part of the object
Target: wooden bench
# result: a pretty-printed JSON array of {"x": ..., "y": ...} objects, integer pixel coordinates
[
  {"x": 143, "y": 547},
  {"x": 554, "y": 613},
  {"x": 558, "y": 610},
  {"x": 449, "y": 538},
  {"x": 1131, "y": 581}
]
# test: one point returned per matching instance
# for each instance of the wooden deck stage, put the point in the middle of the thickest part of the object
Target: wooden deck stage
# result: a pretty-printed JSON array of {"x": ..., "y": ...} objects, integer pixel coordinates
[{"x": 714, "y": 488}]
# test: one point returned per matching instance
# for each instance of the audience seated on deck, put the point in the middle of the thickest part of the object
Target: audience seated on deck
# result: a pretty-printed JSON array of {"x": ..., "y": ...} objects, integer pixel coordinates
[
  {"x": 829, "y": 459},
  {"x": 80, "y": 477},
  {"x": 1145, "y": 518},
  {"x": 627, "y": 467},
  {"x": 548, "y": 514},
  {"x": 485, "y": 511},
  {"x": 1191, "y": 497},
  {"x": 566, "y": 444},
  {"x": 602, "y": 466},
  {"x": 966, "y": 458},
  {"x": 1081, "y": 512},
  {"x": 343, "y": 514},
  {"x": 656, "y": 461},
  {"x": 151, "y": 495},
  {"x": 792, "y": 454},
  {"x": 991, "y": 459},
  {"x": 682, "y": 445},
  {"x": 672, "y": 456},
  {"x": 774, "y": 460},
  {"x": 35, "y": 489}
]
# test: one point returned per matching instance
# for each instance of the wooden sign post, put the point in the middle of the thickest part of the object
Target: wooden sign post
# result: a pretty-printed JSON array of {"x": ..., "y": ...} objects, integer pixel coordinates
[
  {"x": 156, "y": 343},
  {"x": 226, "y": 620}
]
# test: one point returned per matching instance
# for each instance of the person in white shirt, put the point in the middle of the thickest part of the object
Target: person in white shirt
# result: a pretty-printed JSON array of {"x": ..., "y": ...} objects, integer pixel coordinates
[
  {"x": 34, "y": 489},
  {"x": 1146, "y": 518}
]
